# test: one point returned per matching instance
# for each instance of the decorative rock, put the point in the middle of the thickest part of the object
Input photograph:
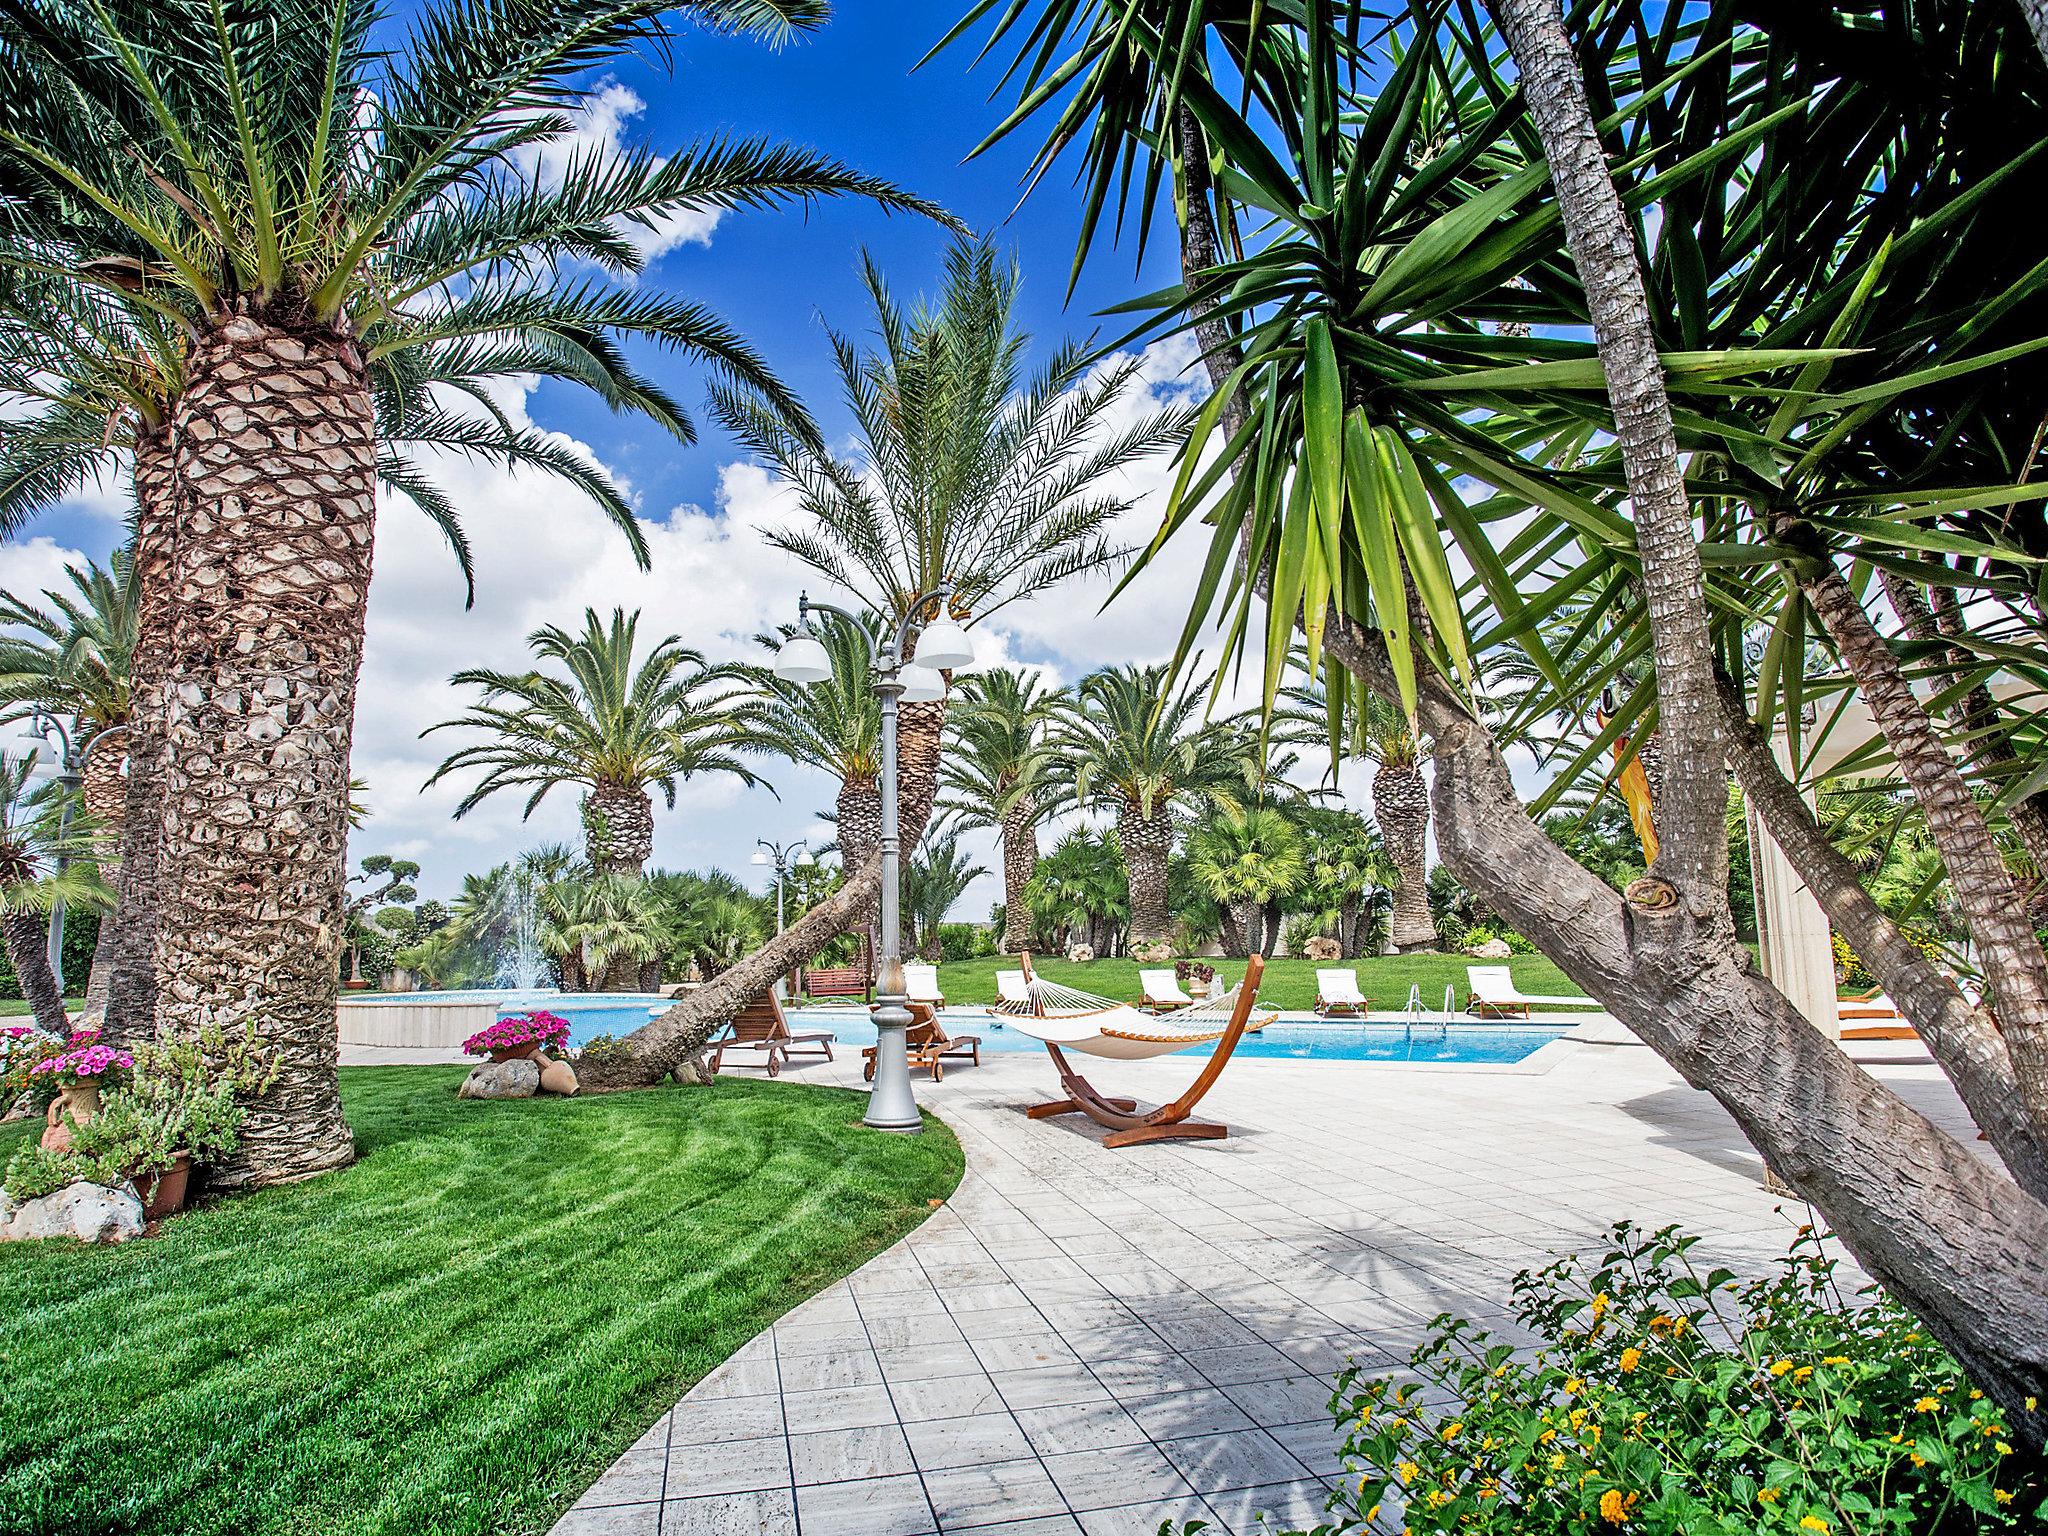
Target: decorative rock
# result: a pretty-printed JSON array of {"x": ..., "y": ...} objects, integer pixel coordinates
[
  {"x": 91, "y": 1213},
  {"x": 1492, "y": 949},
  {"x": 1159, "y": 952},
  {"x": 555, "y": 1076},
  {"x": 501, "y": 1080},
  {"x": 1322, "y": 948},
  {"x": 1079, "y": 954}
]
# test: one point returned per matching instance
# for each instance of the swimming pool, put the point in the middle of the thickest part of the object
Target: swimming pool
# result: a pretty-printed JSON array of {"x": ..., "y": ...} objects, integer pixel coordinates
[{"x": 1294, "y": 1036}]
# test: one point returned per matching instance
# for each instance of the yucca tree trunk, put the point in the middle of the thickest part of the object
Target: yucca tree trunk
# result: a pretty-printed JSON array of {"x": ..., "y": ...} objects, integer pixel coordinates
[
  {"x": 1147, "y": 841},
  {"x": 275, "y": 456},
  {"x": 618, "y": 829},
  {"x": 128, "y": 934},
  {"x": 27, "y": 937},
  {"x": 1020, "y": 863},
  {"x": 1400, "y": 807}
]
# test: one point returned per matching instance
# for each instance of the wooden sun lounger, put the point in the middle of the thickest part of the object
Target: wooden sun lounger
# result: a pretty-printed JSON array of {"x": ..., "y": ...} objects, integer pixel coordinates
[
  {"x": 1335, "y": 1000},
  {"x": 1873, "y": 1016},
  {"x": 1162, "y": 991},
  {"x": 1169, "y": 1122},
  {"x": 760, "y": 1026},
  {"x": 928, "y": 1044},
  {"x": 921, "y": 983}
]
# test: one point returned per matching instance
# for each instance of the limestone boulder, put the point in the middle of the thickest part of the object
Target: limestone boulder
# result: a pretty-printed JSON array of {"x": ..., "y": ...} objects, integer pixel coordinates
[
  {"x": 89, "y": 1213},
  {"x": 1492, "y": 949},
  {"x": 501, "y": 1080}
]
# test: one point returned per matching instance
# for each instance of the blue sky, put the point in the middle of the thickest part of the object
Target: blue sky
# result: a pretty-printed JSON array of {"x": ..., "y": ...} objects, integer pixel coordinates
[{"x": 783, "y": 279}]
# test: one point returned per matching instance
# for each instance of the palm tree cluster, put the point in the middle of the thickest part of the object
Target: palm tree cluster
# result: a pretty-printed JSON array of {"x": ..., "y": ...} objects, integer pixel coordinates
[{"x": 270, "y": 252}]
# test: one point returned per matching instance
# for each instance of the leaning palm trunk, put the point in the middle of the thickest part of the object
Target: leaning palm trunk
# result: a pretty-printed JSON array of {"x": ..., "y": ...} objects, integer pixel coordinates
[
  {"x": 128, "y": 934},
  {"x": 618, "y": 829},
  {"x": 1400, "y": 805},
  {"x": 276, "y": 463},
  {"x": 1020, "y": 863},
  {"x": 1147, "y": 840},
  {"x": 105, "y": 793},
  {"x": 673, "y": 1042},
  {"x": 27, "y": 937}
]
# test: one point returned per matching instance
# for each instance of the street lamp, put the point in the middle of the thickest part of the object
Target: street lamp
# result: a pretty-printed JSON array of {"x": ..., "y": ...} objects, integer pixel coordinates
[
  {"x": 67, "y": 769},
  {"x": 779, "y": 854},
  {"x": 941, "y": 644}
]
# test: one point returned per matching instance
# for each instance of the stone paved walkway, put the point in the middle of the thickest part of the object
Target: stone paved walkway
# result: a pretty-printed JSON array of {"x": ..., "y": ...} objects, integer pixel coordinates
[{"x": 1086, "y": 1342}]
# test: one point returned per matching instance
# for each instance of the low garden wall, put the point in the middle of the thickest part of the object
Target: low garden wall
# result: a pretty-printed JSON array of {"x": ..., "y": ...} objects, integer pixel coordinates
[{"x": 414, "y": 1022}]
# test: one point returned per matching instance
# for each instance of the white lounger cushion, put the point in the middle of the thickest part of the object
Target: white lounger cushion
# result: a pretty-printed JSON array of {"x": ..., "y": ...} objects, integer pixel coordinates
[
  {"x": 922, "y": 983},
  {"x": 1163, "y": 986},
  {"x": 1338, "y": 987},
  {"x": 1010, "y": 987},
  {"x": 1496, "y": 984}
]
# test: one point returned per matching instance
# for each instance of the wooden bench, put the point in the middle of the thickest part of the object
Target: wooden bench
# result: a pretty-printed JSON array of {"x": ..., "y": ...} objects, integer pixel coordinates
[{"x": 837, "y": 981}]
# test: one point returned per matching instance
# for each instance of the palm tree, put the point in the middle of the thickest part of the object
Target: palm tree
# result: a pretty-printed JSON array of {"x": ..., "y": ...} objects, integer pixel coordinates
[
  {"x": 42, "y": 862},
  {"x": 603, "y": 928},
  {"x": 1250, "y": 860},
  {"x": 1348, "y": 874},
  {"x": 1081, "y": 890},
  {"x": 613, "y": 727},
  {"x": 292, "y": 205},
  {"x": 1138, "y": 749},
  {"x": 936, "y": 877},
  {"x": 834, "y": 726},
  {"x": 999, "y": 775},
  {"x": 968, "y": 472}
]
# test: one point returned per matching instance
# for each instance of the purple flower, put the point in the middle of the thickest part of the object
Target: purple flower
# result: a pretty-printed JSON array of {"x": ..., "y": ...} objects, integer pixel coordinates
[{"x": 514, "y": 1030}]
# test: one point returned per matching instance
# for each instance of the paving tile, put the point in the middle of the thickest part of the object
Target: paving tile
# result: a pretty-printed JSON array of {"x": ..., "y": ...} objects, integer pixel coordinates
[
  {"x": 1050, "y": 1525},
  {"x": 838, "y": 1408},
  {"x": 1315, "y": 1446},
  {"x": 944, "y": 1397},
  {"x": 1245, "y": 1458},
  {"x": 1203, "y": 1412},
  {"x": 770, "y": 1512},
  {"x": 1145, "y": 1519},
  {"x": 725, "y": 1418},
  {"x": 1242, "y": 1362},
  {"x": 1069, "y": 1427},
  {"x": 1023, "y": 1352},
  {"x": 1149, "y": 1375},
  {"x": 917, "y": 1362},
  {"x": 991, "y": 1492},
  {"x": 1000, "y": 1322},
  {"x": 739, "y": 1378},
  {"x": 728, "y": 1466},
  {"x": 1117, "y": 1474},
  {"x": 1271, "y": 1510},
  {"x": 841, "y": 1368},
  {"x": 635, "y": 1478},
  {"x": 616, "y": 1520},
  {"x": 963, "y": 1442},
  {"x": 1054, "y": 1384},
  {"x": 887, "y": 1333},
  {"x": 824, "y": 1338},
  {"x": 840, "y": 1455},
  {"x": 877, "y": 1506}
]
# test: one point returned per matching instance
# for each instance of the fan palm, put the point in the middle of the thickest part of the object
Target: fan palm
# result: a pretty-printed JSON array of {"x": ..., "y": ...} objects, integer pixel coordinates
[
  {"x": 329, "y": 232},
  {"x": 1081, "y": 891},
  {"x": 42, "y": 861},
  {"x": 602, "y": 929},
  {"x": 969, "y": 473},
  {"x": 1348, "y": 873},
  {"x": 936, "y": 877},
  {"x": 1249, "y": 860},
  {"x": 998, "y": 775},
  {"x": 1138, "y": 748},
  {"x": 614, "y": 727}
]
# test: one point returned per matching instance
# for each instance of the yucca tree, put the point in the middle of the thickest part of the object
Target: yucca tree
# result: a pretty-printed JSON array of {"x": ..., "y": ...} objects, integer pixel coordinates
[
  {"x": 968, "y": 471},
  {"x": 998, "y": 774},
  {"x": 613, "y": 725},
  {"x": 1249, "y": 859},
  {"x": 302, "y": 201},
  {"x": 42, "y": 862},
  {"x": 1138, "y": 748},
  {"x": 834, "y": 726}
]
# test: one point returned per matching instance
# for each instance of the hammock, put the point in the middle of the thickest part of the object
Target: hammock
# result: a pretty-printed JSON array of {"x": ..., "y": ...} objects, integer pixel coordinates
[{"x": 1063, "y": 1018}]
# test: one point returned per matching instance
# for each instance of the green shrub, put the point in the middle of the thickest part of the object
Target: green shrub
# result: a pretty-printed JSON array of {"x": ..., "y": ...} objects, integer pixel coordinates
[
  {"x": 965, "y": 941},
  {"x": 1668, "y": 1401}
]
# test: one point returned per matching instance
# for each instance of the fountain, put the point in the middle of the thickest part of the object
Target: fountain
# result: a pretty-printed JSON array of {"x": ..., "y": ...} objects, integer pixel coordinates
[{"x": 521, "y": 967}]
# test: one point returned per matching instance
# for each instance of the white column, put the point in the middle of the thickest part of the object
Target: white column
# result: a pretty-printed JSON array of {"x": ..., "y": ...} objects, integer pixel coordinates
[{"x": 1797, "y": 941}]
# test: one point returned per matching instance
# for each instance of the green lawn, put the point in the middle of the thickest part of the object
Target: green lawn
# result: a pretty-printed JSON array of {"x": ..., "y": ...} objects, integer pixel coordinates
[
  {"x": 1288, "y": 984},
  {"x": 17, "y": 1008},
  {"x": 457, "y": 1334}
]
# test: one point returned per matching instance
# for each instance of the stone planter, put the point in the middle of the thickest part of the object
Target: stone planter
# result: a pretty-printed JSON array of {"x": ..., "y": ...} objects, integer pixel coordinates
[
  {"x": 163, "y": 1193},
  {"x": 74, "y": 1102}
]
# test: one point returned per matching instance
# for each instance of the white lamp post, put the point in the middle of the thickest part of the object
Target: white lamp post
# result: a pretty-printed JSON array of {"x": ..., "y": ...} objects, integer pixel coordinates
[
  {"x": 778, "y": 854},
  {"x": 941, "y": 644}
]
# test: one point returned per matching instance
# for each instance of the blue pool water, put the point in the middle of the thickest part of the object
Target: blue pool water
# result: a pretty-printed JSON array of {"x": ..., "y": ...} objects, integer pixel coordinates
[{"x": 1298, "y": 1036}]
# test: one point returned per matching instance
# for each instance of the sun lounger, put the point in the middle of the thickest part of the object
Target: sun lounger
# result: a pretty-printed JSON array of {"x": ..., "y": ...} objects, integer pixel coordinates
[
  {"x": 760, "y": 1026},
  {"x": 1493, "y": 995},
  {"x": 921, "y": 985},
  {"x": 1162, "y": 991},
  {"x": 928, "y": 1045},
  {"x": 1012, "y": 988},
  {"x": 1873, "y": 1015},
  {"x": 1337, "y": 994}
]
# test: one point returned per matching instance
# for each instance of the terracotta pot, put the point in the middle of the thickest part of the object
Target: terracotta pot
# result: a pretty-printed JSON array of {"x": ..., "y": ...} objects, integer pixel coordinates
[
  {"x": 74, "y": 1102},
  {"x": 524, "y": 1052},
  {"x": 163, "y": 1193}
]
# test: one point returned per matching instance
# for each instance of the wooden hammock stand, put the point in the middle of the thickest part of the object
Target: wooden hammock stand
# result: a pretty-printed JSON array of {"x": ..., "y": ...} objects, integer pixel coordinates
[{"x": 1169, "y": 1122}]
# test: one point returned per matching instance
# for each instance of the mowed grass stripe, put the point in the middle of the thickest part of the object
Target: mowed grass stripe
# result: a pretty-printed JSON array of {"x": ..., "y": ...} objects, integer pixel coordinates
[{"x": 455, "y": 1335}]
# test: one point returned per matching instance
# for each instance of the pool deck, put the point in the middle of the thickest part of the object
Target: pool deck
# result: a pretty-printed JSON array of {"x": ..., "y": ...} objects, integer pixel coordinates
[{"x": 1085, "y": 1342}]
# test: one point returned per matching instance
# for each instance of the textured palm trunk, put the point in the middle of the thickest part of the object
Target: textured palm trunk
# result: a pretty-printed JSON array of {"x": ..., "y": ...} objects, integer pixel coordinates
[
  {"x": 1147, "y": 841},
  {"x": 27, "y": 938},
  {"x": 105, "y": 793},
  {"x": 1400, "y": 808},
  {"x": 860, "y": 821},
  {"x": 618, "y": 829},
  {"x": 128, "y": 934},
  {"x": 275, "y": 457},
  {"x": 1020, "y": 863},
  {"x": 1347, "y": 927},
  {"x": 920, "y": 739},
  {"x": 1240, "y": 918},
  {"x": 1269, "y": 937}
]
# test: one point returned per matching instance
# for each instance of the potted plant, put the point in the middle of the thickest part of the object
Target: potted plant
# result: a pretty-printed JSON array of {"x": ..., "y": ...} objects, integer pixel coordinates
[
  {"x": 519, "y": 1036},
  {"x": 76, "y": 1075}
]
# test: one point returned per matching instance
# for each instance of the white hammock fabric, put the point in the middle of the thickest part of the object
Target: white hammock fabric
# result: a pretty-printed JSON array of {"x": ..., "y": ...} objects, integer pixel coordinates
[{"x": 1096, "y": 1026}]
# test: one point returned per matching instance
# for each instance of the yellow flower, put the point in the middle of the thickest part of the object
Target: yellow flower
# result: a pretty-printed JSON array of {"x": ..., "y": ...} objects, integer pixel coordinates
[
  {"x": 1573, "y": 1384},
  {"x": 1406, "y": 1471},
  {"x": 1631, "y": 1358},
  {"x": 1451, "y": 1430},
  {"x": 1437, "y": 1498},
  {"x": 1927, "y": 1405},
  {"x": 2033, "y": 1403},
  {"x": 1802, "y": 1373},
  {"x": 1813, "y": 1523},
  {"x": 1372, "y": 1514},
  {"x": 1780, "y": 1367},
  {"x": 1975, "y": 1394},
  {"x": 1767, "y": 1495},
  {"x": 1835, "y": 1360},
  {"x": 2003, "y": 1495},
  {"x": 1919, "y": 1461},
  {"x": 1557, "y": 1462},
  {"x": 1616, "y": 1506},
  {"x": 2004, "y": 1449}
]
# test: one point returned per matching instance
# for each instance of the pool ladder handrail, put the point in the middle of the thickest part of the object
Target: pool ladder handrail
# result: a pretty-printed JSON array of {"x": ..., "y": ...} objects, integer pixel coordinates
[{"x": 1416, "y": 1015}]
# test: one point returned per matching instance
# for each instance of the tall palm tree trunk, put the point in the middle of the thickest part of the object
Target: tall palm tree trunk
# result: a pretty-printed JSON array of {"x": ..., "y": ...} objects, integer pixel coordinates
[
  {"x": 1020, "y": 863},
  {"x": 618, "y": 829},
  {"x": 920, "y": 738},
  {"x": 27, "y": 937},
  {"x": 860, "y": 821},
  {"x": 1400, "y": 807},
  {"x": 1147, "y": 840},
  {"x": 105, "y": 793},
  {"x": 276, "y": 463},
  {"x": 128, "y": 933}
]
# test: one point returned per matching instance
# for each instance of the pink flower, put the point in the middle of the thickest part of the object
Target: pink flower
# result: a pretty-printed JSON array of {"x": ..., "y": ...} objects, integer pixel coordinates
[{"x": 514, "y": 1030}]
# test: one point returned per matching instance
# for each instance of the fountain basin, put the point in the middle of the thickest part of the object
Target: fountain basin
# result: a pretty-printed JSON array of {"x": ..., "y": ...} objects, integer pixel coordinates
[{"x": 430, "y": 1020}]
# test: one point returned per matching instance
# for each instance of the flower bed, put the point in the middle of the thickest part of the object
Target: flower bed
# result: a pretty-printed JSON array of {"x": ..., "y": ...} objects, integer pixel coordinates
[{"x": 539, "y": 1030}]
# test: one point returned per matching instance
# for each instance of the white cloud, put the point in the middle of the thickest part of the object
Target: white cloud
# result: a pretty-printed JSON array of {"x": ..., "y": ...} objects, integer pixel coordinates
[{"x": 32, "y": 567}]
